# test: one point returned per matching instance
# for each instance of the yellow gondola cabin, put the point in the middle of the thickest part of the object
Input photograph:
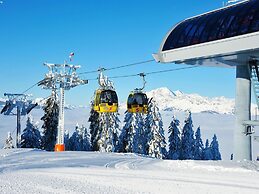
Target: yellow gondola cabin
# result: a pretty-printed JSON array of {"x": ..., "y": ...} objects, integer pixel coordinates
[
  {"x": 106, "y": 101},
  {"x": 137, "y": 102}
]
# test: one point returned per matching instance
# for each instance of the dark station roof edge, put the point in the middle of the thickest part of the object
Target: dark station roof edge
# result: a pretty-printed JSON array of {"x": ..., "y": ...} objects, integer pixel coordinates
[{"x": 235, "y": 20}]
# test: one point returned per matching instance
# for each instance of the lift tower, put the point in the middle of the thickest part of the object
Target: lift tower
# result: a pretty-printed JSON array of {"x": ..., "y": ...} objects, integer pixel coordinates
[
  {"x": 62, "y": 77},
  {"x": 23, "y": 106}
]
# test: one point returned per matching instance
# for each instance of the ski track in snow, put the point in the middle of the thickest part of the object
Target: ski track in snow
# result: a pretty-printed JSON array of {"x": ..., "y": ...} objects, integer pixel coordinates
[{"x": 35, "y": 171}]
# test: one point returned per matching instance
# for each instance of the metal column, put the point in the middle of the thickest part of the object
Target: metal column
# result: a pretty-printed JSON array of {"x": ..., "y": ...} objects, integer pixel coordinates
[
  {"x": 60, "y": 146},
  {"x": 18, "y": 134},
  {"x": 242, "y": 142}
]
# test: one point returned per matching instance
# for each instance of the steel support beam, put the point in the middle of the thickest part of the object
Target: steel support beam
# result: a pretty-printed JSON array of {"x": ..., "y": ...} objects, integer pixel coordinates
[
  {"x": 60, "y": 146},
  {"x": 242, "y": 142},
  {"x": 18, "y": 134}
]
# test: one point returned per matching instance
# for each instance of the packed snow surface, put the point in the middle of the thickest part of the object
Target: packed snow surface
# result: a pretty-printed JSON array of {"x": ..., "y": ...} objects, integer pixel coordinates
[{"x": 35, "y": 171}]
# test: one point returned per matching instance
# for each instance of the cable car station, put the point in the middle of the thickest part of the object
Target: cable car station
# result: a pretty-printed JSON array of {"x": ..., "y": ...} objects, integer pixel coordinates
[{"x": 226, "y": 37}]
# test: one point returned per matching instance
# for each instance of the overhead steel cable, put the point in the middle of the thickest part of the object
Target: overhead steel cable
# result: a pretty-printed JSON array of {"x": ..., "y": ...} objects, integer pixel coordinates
[
  {"x": 150, "y": 73},
  {"x": 118, "y": 67},
  {"x": 126, "y": 76},
  {"x": 30, "y": 88},
  {"x": 122, "y": 76},
  {"x": 128, "y": 65},
  {"x": 88, "y": 72},
  {"x": 169, "y": 70}
]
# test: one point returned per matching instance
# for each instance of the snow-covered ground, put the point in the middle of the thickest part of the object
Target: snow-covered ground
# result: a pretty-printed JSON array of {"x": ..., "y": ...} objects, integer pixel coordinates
[{"x": 34, "y": 171}]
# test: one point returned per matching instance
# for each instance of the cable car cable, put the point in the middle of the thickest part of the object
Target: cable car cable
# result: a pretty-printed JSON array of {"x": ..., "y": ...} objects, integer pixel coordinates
[
  {"x": 128, "y": 65},
  {"x": 125, "y": 76},
  {"x": 150, "y": 73},
  {"x": 118, "y": 67},
  {"x": 169, "y": 70},
  {"x": 30, "y": 88}
]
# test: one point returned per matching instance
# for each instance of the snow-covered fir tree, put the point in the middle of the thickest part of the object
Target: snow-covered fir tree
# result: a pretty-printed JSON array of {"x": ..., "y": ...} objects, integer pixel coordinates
[
  {"x": 115, "y": 128},
  {"x": 126, "y": 136},
  {"x": 132, "y": 138},
  {"x": 9, "y": 142},
  {"x": 207, "y": 155},
  {"x": 86, "y": 145},
  {"x": 155, "y": 134},
  {"x": 74, "y": 140},
  {"x": 214, "y": 147},
  {"x": 66, "y": 139},
  {"x": 108, "y": 132},
  {"x": 198, "y": 145},
  {"x": 174, "y": 140},
  {"x": 31, "y": 137},
  {"x": 140, "y": 138},
  {"x": 79, "y": 141},
  {"x": 94, "y": 128},
  {"x": 50, "y": 124},
  {"x": 187, "y": 138}
]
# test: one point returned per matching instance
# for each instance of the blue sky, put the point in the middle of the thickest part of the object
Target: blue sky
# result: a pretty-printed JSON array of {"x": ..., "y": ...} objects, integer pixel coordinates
[{"x": 100, "y": 33}]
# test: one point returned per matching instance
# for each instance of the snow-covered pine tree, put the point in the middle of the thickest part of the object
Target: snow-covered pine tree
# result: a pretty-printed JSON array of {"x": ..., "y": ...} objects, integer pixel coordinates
[
  {"x": 139, "y": 139},
  {"x": 31, "y": 137},
  {"x": 74, "y": 140},
  {"x": 66, "y": 139},
  {"x": 126, "y": 136},
  {"x": 132, "y": 138},
  {"x": 105, "y": 141},
  {"x": 207, "y": 155},
  {"x": 187, "y": 138},
  {"x": 198, "y": 145},
  {"x": 94, "y": 128},
  {"x": 80, "y": 140},
  {"x": 155, "y": 134},
  {"x": 174, "y": 140},
  {"x": 108, "y": 133},
  {"x": 50, "y": 124},
  {"x": 9, "y": 142},
  {"x": 115, "y": 129},
  {"x": 86, "y": 145},
  {"x": 214, "y": 147}
]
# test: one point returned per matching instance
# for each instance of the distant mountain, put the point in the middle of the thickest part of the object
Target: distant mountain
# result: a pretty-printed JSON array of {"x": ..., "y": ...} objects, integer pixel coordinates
[
  {"x": 168, "y": 100},
  {"x": 42, "y": 101},
  {"x": 2, "y": 101}
]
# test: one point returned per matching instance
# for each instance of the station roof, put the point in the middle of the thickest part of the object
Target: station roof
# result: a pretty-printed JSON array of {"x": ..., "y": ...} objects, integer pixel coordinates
[
  {"x": 235, "y": 20},
  {"x": 228, "y": 36}
]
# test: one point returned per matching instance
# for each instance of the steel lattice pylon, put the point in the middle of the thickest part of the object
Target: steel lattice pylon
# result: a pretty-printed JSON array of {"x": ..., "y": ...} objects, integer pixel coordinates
[{"x": 62, "y": 77}]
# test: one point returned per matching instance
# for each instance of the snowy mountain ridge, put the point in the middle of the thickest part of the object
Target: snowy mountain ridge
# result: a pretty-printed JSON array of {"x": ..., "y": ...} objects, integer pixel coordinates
[
  {"x": 176, "y": 100},
  {"x": 41, "y": 102}
]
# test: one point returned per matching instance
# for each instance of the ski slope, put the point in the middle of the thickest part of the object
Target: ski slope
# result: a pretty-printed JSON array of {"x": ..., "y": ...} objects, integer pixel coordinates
[{"x": 35, "y": 171}]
